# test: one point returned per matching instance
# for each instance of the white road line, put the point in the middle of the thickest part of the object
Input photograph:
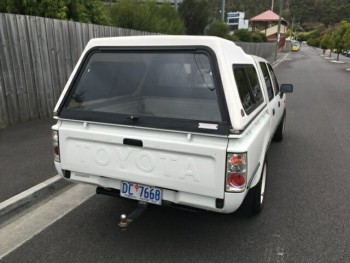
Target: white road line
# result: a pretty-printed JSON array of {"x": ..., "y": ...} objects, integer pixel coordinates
[
  {"x": 22, "y": 229},
  {"x": 277, "y": 62}
]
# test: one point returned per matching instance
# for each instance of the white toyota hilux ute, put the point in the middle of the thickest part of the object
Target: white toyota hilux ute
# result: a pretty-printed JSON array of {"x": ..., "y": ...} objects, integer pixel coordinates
[{"x": 170, "y": 120}]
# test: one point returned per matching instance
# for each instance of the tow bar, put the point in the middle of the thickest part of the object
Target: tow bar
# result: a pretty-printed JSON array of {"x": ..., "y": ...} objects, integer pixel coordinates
[{"x": 125, "y": 220}]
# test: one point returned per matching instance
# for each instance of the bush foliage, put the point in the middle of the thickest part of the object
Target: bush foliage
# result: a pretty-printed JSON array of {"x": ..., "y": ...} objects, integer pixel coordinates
[{"x": 147, "y": 16}]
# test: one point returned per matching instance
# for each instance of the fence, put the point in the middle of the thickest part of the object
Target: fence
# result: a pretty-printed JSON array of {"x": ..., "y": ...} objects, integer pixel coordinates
[
  {"x": 264, "y": 50},
  {"x": 37, "y": 56}
]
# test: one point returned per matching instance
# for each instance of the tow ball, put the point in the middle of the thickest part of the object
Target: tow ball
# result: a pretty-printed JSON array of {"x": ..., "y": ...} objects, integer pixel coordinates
[{"x": 125, "y": 220}]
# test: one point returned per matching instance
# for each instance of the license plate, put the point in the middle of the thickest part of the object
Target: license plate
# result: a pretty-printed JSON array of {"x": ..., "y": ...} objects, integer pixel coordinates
[{"x": 141, "y": 192}]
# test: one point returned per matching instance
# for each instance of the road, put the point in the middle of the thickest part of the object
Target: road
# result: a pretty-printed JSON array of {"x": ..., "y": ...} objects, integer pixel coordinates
[
  {"x": 307, "y": 212},
  {"x": 25, "y": 156}
]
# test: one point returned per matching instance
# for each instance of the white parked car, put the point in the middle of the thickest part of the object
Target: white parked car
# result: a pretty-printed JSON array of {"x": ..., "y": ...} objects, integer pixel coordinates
[{"x": 170, "y": 120}]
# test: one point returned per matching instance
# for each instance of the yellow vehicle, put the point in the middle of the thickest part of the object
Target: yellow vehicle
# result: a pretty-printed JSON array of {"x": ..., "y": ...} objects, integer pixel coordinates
[{"x": 295, "y": 46}]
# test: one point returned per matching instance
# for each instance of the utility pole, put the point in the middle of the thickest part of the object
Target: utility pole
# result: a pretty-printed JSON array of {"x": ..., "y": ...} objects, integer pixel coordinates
[
  {"x": 223, "y": 10},
  {"x": 175, "y": 4},
  {"x": 272, "y": 5},
  {"x": 279, "y": 29}
]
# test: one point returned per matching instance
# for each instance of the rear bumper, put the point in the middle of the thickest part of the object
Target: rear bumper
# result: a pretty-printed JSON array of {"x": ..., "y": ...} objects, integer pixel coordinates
[{"x": 231, "y": 201}]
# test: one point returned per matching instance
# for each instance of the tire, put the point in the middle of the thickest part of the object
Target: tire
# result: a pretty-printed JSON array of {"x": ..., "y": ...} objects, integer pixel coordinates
[
  {"x": 278, "y": 136},
  {"x": 255, "y": 198}
]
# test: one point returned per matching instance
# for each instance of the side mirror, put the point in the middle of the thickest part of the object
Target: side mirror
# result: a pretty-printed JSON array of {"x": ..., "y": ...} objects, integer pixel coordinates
[{"x": 286, "y": 88}]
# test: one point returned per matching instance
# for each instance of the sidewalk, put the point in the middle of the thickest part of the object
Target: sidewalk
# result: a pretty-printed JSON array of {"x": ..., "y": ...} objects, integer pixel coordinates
[{"x": 26, "y": 157}]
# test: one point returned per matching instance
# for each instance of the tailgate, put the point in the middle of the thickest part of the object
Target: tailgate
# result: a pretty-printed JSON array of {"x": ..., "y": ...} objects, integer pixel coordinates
[{"x": 193, "y": 163}]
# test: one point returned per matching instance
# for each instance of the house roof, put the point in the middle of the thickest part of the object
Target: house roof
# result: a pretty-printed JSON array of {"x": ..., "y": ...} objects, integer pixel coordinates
[{"x": 267, "y": 16}]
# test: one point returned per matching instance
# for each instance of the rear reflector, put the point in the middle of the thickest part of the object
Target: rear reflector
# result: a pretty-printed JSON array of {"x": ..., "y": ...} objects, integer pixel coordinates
[{"x": 236, "y": 180}]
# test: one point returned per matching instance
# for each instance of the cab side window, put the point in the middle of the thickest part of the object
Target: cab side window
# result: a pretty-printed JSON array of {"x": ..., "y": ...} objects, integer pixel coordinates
[
  {"x": 274, "y": 80},
  {"x": 248, "y": 87},
  {"x": 267, "y": 79}
]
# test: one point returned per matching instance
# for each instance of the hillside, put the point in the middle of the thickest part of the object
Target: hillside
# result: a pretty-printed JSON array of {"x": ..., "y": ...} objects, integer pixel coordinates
[{"x": 307, "y": 12}]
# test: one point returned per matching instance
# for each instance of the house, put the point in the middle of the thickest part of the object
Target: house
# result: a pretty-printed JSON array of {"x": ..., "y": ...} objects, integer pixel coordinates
[
  {"x": 235, "y": 20},
  {"x": 267, "y": 23}
]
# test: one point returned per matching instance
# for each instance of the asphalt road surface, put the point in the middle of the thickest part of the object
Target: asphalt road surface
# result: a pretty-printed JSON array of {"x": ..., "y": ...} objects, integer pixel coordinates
[
  {"x": 26, "y": 156},
  {"x": 307, "y": 212}
]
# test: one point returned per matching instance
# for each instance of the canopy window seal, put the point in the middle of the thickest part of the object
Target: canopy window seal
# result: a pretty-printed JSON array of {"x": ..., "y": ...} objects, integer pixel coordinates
[{"x": 204, "y": 63}]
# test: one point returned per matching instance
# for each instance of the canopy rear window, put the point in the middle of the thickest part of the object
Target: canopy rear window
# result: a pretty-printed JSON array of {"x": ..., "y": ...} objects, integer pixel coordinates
[{"x": 144, "y": 86}]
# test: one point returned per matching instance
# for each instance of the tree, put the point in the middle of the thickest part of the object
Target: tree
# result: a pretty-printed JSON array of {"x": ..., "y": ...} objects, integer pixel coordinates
[
  {"x": 124, "y": 14},
  {"x": 243, "y": 35},
  {"x": 325, "y": 41},
  {"x": 218, "y": 28},
  {"x": 147, "y": 16},
  {"x": 53, "y": 9},
  {"x": 330, "y": 43},
  {"x": 88, "y": 11},
  {"x": 258, "y": 37},
  {"x": 339, "y": 37},
  {"x": 96, "y": 12},
  {"x": 337, "y": 43},
  {"x": 169, "y": 20},
  {"x": 347, "y": 39},
  {"x": 314, "y": 37},
  {"x": 19, "y": 7},
  {"x": 195, "y": 14}
]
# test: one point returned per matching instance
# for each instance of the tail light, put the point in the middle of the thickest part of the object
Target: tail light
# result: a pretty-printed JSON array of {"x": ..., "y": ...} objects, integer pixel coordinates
[
  {"x": 56, "y": 146},
  {"x": 236, "y": 172}
]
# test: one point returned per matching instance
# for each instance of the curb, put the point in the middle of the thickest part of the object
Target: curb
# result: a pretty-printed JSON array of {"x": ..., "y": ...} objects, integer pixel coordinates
[
  {"x": 280, "y": 59},
  {"x": 30, "y": 197}
]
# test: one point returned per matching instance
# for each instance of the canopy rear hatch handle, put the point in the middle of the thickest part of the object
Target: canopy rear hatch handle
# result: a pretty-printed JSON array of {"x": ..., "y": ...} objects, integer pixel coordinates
[{"x": 133, "y": 142}]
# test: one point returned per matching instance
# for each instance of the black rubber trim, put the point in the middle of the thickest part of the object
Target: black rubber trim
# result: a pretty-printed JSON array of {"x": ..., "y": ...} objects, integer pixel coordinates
[
  {"x": 219, "y": 203},
  {"x": 253, "y": 175},
  {"x": 133, "y": 142},
  {"x": 148, "y": 121}
]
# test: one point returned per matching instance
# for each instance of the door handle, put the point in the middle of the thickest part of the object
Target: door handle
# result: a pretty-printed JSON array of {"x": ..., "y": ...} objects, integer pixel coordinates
[{"x": 273, "y": 112}]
